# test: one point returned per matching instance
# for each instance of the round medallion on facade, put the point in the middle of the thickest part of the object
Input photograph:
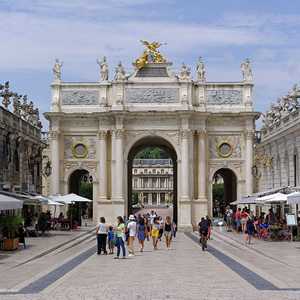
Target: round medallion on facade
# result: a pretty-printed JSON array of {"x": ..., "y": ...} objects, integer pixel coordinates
[
  {"x": 80, "y": 150},
  {"x": 225, "y": 149}
]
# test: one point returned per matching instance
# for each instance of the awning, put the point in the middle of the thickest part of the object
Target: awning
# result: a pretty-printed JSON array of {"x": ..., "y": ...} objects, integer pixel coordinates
[
  {"x": 9, "y": 203},
  {"x": 68, "y": 199},
  {"x": 278, "y": 197},
  {"x": 293, "y": 198},
  {"x": 248, "y": 200}
]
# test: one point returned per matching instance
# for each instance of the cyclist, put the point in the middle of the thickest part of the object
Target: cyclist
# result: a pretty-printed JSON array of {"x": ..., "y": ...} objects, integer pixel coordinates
[{"x": 203, "y": 229}]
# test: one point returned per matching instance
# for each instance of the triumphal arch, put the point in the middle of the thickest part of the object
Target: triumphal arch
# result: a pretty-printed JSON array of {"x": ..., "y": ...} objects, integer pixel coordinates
[{"x": 206, "y": 127}]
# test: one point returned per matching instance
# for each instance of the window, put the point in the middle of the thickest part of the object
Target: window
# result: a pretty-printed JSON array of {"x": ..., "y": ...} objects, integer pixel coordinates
[
  {"x": 171, "y": 183},
  {"x": 162, "y": 198},
  {"x": 145, "y": 171},
  {"x": 154, "y": 198},
  {"x": 162, "y": 182},
  {"x": 145, "y": 182},
  {"x": 154, "y": 180},
  {"x": 162, "y": 171},
  {"x": 135, "y": 171},
  {"x": 135, "y": 182},
  {"x": 154, "y": 171}
]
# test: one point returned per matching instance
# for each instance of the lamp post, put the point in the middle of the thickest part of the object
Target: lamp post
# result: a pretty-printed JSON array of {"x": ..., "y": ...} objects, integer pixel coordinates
[
  {"x": 261, "y": 159},
  {"x": 48, "y": 168}
]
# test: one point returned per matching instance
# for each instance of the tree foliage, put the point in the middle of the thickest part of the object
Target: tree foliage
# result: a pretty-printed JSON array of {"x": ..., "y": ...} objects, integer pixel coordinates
[
  {"x": 218, "y": 195},
  {"x": 152, "y": 153},
  {"x": 135, "y": 197}
]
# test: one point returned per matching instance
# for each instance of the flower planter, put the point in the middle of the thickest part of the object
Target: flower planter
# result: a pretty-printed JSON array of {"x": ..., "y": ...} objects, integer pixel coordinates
[
  {"x": 11, "y": 244},
  {"x": 75, "y": 226}
]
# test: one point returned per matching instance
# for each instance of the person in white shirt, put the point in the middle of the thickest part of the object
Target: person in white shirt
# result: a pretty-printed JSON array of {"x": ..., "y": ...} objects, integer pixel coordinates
[
  {"x": 152, "y": 216},
  {"x": 101, "y": 231},
  {"x": 131, "y": 227},
  {"x": 229, "y": 214}
]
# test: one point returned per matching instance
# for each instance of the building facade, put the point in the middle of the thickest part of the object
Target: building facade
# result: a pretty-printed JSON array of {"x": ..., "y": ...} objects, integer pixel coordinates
[
  {"x": 280, "y": 141},
  {"x": 206, "y": 127},
  {"x": 20, "y": 144},
  {"x": 153, "y": 180}
]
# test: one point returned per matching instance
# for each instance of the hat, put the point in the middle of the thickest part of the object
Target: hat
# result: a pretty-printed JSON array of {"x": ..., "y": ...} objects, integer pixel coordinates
[{"x": 131, "y": 218}]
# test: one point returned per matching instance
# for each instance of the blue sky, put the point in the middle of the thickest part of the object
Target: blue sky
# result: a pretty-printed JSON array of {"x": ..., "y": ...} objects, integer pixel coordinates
[{"x": 224, "y": 32}]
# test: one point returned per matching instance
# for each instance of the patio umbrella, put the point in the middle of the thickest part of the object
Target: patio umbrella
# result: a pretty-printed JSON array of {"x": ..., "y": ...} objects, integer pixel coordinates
[
  {"x": 70, "y": 199},
  {"x": 247, "y": 200},
  {"x": 278, "y": 197},
  {"x": 9, "y": 203},
  {"x": 293, "y": 198}
]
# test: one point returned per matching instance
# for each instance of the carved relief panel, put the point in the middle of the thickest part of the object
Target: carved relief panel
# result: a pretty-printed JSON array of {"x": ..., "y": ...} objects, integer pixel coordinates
[
  {"x": 80, "y": 97},
  {"x": 216, "y": 142},
  {"x": 152, "y": 95},
  {"x": 88, "y": 141},
  {"x": 218, "y": 97}
]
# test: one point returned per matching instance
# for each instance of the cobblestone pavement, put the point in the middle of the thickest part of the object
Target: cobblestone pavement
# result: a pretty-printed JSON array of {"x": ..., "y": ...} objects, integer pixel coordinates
[{"x": 228, "y": 270}]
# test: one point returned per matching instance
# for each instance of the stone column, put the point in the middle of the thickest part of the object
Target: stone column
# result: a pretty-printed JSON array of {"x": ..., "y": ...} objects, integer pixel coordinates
[
  {"x": 119, "y": 164},
  {"x": 185, "y": 163},
  {"x": 249, "y": 134},
  {"x": 201, "y": 165},
  {"x": 102, "y": 164},
  {"x": 55, "y": 162}
]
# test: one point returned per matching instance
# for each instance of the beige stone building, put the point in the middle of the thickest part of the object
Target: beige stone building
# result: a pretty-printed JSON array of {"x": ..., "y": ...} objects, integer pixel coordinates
[
  {"x": 206, "y": 127},
  {"x": 153, "y": 179}
]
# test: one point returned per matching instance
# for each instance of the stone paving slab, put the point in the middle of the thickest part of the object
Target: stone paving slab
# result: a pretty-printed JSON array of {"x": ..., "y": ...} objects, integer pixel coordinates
[{"x": 185, "y": 272}]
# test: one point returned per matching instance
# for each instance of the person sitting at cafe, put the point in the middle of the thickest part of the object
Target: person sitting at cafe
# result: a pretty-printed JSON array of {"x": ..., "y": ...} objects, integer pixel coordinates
[
  {"x": 61, "y": 216},
  {"x": 284, "y": 228},
  {"x": 33, "y": 223},
  {"x": 263, "y": 225}
]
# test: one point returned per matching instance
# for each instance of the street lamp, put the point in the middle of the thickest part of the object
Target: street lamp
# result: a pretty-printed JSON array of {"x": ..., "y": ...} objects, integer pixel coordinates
[
  {"x": 261, "y": 159},
  {"x": 48, "y": 168}
]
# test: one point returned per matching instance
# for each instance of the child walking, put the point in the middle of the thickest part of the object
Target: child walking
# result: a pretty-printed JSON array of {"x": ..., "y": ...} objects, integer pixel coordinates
[{"x": 111, "y": 240}]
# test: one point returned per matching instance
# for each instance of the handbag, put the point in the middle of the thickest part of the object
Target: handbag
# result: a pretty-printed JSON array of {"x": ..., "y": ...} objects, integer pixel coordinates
[{"x": 116, "y": 241}]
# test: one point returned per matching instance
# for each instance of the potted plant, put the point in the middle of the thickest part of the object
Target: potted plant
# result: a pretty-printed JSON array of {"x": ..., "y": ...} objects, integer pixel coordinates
[
  {"x": 75, "y": 224},
  {"x": 11, "y": 225}
]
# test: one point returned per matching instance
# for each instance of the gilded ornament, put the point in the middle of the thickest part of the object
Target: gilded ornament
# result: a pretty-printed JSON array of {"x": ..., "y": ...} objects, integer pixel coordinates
[{"x": 147, "y": 55}]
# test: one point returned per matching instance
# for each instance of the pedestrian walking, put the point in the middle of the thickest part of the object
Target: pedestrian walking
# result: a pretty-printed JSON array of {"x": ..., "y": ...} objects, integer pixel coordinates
[
  {"x": 174, "y": 228},
  {"x": 209, "y": 222},
  {"x": 101, "y": 231},
  {"x": 250, "y": 227},
  {"x": 168, "y": 232},
  {"x": 120, "y": 241},
  {"x": 131, "y": 227},
  {"x": 111, "y": 240},
  {"x": 238, "y": 220},
  {"x": 243, "y": 220},
  {"x": 142, "y": 233},
  {"x": 229, "y": 218},
  {"x": 155, "y": 232},
  {"x": 161, "y": 227}
]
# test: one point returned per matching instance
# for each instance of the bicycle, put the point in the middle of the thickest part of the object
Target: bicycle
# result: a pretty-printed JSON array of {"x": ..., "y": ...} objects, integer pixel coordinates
[{"x": 202, "y": 240}]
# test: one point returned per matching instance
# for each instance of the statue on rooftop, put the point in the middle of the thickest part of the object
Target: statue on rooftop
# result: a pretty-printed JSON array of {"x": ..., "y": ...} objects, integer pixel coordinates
[
  {"x": 201, "y": 70},
  {"x": 185, "y": 72},
  {"x": 103, "y": 69},
  {"x": 56, "y": 70},
  {"x": 246, "y": 70},
  {"x": 120, "y": 72},
  {"x": 151, "y": 55}
]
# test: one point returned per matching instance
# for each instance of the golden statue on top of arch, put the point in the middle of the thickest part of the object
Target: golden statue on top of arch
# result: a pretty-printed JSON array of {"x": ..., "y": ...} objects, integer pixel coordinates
[{"x": 151, "y": 55}]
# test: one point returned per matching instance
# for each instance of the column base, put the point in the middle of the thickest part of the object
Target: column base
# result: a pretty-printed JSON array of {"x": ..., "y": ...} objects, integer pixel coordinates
[
  {"x": 199, "y": 210},
  {"x": 185, "y": 228}
]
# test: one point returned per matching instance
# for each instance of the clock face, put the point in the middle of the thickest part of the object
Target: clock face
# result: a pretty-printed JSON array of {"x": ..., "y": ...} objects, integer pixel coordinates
[
  {"x": 225, "y": 149},
  {"x": 80, "y": 150}
]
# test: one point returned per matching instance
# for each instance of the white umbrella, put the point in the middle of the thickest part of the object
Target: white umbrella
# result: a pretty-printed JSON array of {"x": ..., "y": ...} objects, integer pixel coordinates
[
  {"x": 70, "y": 199},
  {"x": 8, "y": 203},
  {"x": 278, "y": 197},
  {"x": 293, "y": 198}
]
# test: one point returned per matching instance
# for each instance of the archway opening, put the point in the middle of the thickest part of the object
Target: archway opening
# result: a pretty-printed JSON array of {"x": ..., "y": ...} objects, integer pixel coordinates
[
  {"x": 152, "y": 178},
  {"x": 81, "y": 183},
  {"x": 224, "y": 191}
]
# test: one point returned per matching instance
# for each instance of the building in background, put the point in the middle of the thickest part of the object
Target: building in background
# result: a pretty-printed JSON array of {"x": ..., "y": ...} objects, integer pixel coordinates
[
  {"x": 153, "y": 179},
  {"x": 20, "y": 144}
]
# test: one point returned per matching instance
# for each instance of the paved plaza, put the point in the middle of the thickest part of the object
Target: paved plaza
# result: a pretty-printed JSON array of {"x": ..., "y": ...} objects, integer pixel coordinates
[{"x": 65, "y": 266}]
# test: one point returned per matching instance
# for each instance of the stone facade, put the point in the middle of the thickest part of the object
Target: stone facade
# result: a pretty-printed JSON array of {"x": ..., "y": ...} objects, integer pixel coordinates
[
  {"x": 280, "y": 138},
  {"x": 153, "y": 179},
  {"x": 20, "y": 144},
  {"x": 194, "y": 121}
]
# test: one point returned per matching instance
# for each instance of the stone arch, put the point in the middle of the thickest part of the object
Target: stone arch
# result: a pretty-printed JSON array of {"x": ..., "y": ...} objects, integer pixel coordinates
[
  {"x": 230, "y": 167},
  {"x": 151, "y": 134},
  {"x": 74, "y": 168},
  {"x": 148, "y": 139}
]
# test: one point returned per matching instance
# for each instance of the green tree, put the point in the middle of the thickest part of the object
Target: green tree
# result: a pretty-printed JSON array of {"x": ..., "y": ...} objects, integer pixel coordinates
[
  {"x": 218, "y": 196},
  {"x": 152, "y": 153},
  {"x": 135, "y": 197}
]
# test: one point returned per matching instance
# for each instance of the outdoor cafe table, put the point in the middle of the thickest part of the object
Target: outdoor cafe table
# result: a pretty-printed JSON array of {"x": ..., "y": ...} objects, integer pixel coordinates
[
  {"x": 275, "y": 232},
  {"x": 62, "y": 224}
]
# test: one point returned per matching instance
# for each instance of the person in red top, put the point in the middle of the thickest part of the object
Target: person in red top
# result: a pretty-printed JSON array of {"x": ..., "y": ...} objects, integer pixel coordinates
[
  {"x": 243, "y": 220},
  {"x": 238, "y": 220}
]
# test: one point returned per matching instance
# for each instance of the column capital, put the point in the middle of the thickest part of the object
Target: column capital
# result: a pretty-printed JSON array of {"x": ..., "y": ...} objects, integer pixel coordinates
[
  {"x": 102, "y": 134},
  {"x": 185, "y": 133},
  {"x": 249, "y": 134},
  {"x": 55, "y": 134},
  {"x": 201, "y": 133},
  {"x": 119, "y": 133}
]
